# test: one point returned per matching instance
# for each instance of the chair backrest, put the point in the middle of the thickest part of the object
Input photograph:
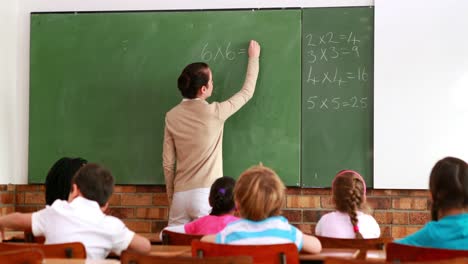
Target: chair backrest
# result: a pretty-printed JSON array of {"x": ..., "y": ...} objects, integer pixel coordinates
[
  {"x": 175, "y": 238},
  {"x": 261, "y": 254},
  {"x": 22, "y": 256},
  {"x": 129, "y": 257},
  {"x": 64, "y": 250},
  {"x": 361, "y": 261},
  {"x": 362, "y": 244},
  {"x": 399, "y": 252}
]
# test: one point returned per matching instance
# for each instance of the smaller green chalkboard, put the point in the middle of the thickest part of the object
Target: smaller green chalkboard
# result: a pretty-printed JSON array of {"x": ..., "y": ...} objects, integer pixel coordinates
[{"x": 337, "y": 93}]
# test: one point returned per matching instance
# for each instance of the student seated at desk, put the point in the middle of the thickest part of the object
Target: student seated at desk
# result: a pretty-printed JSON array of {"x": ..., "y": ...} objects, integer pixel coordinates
[
  {"x": 259, "y": 194},
  {"x": 222, "y": 202},
  {"x": 448, "y": 185},
  {"x": 348, "y": 221},
  {"x": 81, "y": 219},
  {"x": 57, "y": 185}
]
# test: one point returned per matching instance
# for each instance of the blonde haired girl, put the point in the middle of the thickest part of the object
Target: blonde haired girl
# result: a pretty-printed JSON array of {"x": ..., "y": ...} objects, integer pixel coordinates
[{"x": 259, "y": 195}]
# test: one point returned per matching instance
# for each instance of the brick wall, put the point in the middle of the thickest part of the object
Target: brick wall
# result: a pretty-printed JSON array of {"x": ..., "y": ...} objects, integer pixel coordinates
[{"x": 145, "y": 208}]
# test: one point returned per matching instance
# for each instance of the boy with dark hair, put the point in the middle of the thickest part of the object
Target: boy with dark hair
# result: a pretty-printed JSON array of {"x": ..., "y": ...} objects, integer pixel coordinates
[{"x": 81, "y": 219}]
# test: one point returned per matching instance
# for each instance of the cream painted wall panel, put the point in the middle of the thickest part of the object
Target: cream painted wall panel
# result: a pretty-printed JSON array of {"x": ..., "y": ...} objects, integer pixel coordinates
[{"x": 8, "y": 70}]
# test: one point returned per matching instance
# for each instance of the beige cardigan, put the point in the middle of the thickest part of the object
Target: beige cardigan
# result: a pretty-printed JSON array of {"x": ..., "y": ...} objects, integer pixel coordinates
[{"x": 193, "y": 137}]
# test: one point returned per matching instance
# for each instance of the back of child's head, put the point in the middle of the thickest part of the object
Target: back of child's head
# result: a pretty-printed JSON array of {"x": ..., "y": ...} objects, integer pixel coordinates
[
  {"x": 259, "y": 193},
  {"x": 448, "y": 184},
  {"x": 58, "y": 180},
  {"x": 222, "y": 196},
  {"x": 349, "y": 195},
  {"x": 95, "y": 183}
]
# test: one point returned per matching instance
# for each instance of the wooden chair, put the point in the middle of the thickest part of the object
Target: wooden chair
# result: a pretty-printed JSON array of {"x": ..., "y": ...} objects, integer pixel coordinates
[
  {"x": 129, "y": 257},
  {"x": 22, "y": 256},
  {"x": 361, "y": 261},
  {"x": 64, "y": 250},
  {"x": 362, "y": 244},
  {"x": 175, "y": 238},
  {"x": 261, "y": 254},
  {"x": 399, "y": 252}
]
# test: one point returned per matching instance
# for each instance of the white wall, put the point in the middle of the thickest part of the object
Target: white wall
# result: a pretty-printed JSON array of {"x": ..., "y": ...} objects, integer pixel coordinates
[
  {"x": 14, "y": 144},
  {"x": 420, "y": 52},
  {"x": 420, "y": 89},
  {"x": 8, "y": 63}
]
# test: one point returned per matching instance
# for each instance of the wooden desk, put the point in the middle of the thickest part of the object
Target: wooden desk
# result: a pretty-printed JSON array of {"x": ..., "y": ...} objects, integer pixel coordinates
[
  {"x": 80, "y": 261},
  {"x": 376, "y": 255}
]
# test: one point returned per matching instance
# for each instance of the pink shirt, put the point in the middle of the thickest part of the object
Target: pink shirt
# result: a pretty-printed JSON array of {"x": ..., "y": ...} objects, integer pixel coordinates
[{"x": 210, "y": 224}]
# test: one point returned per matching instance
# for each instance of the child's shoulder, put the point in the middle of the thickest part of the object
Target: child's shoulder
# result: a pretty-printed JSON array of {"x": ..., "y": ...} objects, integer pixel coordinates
[
  {"x": 58, "y": 206},
  {"x": 364, "y": 215},
  {"x": 229, "y": 218},
  {"x": 58, "y": 203},
  {"x": 334, "y": 214},
  {"x": 272, "y": 220}
]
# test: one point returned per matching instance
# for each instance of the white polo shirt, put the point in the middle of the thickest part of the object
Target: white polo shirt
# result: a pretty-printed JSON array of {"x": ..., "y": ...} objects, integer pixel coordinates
[{"x": 82, "y": 221}]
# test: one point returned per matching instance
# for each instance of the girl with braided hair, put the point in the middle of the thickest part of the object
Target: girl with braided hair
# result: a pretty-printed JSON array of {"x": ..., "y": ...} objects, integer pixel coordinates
[
  {"x": 221, "y": 200},
  {"x": 348, "y": 221},
  {"x": 448, "y": 185}
]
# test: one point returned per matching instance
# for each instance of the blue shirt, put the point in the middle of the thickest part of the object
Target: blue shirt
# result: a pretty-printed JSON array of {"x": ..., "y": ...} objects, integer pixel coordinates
[
  {"x": 273, "y": 230},
  {"x": 450, "y": 232}
]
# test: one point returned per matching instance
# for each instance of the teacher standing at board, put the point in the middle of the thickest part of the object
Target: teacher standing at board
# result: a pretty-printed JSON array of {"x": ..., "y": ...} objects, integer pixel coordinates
[{"x": 193, "y": 138}]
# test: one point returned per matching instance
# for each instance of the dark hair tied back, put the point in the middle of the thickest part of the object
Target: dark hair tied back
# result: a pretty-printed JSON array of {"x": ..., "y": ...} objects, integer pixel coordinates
[
  {"x": 221, "y": 196},
  {"x": 58, "y": 180},
  {"x": 185, "y": 78},
  {"x": 192, "y": 78},
  {"x": 448, "y": 184}
]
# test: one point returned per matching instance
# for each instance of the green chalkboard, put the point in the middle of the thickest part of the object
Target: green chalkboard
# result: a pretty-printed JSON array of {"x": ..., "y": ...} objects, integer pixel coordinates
[
  {"x": 101, "y": 83},
  {"x": 337, "y": 93}
]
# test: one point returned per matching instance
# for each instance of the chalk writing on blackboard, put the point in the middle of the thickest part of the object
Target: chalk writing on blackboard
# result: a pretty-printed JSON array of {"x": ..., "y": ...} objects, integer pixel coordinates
[
  {"x": 337, "y": 93},
  {"x": 337, "y": 77},
  {"x": 336, "y": 103},
  {"x": 331, "y": 38},
  {"x": 325, "y": 70},
  {"x": 220, "y": 52}
]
